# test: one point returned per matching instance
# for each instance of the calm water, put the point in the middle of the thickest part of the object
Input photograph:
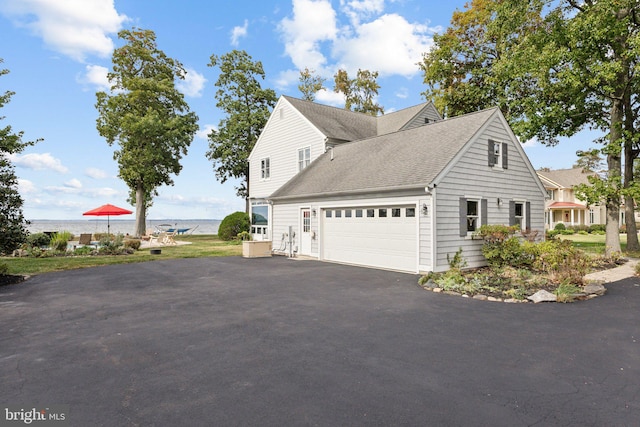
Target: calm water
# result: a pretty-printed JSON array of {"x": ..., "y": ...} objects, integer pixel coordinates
[{"x": 120, "y": 226}]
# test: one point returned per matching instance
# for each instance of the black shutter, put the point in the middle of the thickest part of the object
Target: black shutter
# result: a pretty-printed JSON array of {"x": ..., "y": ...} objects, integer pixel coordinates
[
  {"x": 512, "y": 212},
  {"x": 505, "y": 155},
  {"x": 483, "y": 212},
  {"x": 527, "y": 213},
  {"x": 463, "y": 217},
  {"x": 491, "y": 156}
]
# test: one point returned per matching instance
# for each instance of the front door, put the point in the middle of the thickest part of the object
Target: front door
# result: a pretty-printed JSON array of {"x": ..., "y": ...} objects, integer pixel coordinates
[{"x": 305, "y": 232}]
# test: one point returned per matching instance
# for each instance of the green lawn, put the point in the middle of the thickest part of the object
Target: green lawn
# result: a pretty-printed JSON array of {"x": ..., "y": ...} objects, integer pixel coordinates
[
  {"x": 594, "y": 244},
  {"x": 201, "y": 246}
]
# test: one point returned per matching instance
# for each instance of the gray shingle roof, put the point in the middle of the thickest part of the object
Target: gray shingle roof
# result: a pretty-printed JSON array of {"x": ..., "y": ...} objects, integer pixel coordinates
[
  {"x": 393, "y": 122},
  {"x": 407, "y": 158},
  {"x": 566, "y": 178},
  {"x": 346, "y": 125},
  {"x": 336, "y": 123}
]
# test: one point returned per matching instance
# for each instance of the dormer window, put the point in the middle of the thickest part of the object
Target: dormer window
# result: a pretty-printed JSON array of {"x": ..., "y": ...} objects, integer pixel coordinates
[{"x": 304, "y": 158}]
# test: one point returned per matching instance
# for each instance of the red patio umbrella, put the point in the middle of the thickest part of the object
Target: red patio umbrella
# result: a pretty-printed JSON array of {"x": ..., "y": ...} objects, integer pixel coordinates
[{"x": 108, "y": 210}]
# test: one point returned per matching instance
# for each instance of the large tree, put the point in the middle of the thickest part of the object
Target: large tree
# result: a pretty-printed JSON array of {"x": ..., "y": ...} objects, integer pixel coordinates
[
  {"x": 554, "y": 68},
  {"x": 13, "y": 231},
  {"x": 247, "y": 107},
  {"x": 310, "y": 84},
  {"x": 360, "y": 92},
  {"x": 146, "y": 116}
]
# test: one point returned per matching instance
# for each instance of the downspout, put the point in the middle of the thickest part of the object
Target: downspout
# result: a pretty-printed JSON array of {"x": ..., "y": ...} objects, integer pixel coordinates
[{"x": 431, "y": 190}]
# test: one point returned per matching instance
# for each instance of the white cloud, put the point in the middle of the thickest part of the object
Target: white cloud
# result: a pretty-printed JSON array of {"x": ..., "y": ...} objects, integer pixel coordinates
[
  {"x": 95, "y": 173},
  {"x": 73, "y": 183},
  {"x": 26, "y": 187},
  {"x": 75, "y": 28},
  {"x": 532, "y": 143},
  {"x": 44, "y": 161},
  {"x": 330, "y": 97},
  {"x": 313, "y": 22},
  {"x": 96, "y": 76},
  {"x": 193, "y": 83},
  {"x": 205, "y": 130},
  {"x": 390, "y": 45},
  {"x": 361, "y": 9},
  {"x": 238, "y": 32}
]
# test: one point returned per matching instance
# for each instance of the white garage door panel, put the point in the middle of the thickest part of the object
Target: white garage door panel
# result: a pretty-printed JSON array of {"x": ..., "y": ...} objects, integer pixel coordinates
[{"x": 379, "y": 242}]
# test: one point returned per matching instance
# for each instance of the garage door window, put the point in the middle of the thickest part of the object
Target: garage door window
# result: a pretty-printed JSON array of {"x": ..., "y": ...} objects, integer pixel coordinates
[
  {"x": 382, "y": 213},
  {"x": 410, "y": 212},
  {"x": 358, "y": 213},
  {"x": 371, "y": 213},
  {"x": 347, "y": 213},
  {"x": 338, "y": 213},
  {"x": 328, "y": 213},
  {"x": 395, "y": 212}
]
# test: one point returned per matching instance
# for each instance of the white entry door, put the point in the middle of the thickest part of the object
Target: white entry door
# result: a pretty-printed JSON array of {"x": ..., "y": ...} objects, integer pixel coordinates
[
  {"x": 382, "y": 236},
  {"x": 305, "y": 232}
]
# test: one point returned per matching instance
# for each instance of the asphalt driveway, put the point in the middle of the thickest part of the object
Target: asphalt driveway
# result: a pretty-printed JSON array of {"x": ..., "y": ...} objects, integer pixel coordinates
[{"x": 233, "y": 341}]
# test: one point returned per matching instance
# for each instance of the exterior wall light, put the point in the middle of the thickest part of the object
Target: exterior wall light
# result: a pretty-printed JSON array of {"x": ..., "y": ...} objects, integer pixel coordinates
[{"x": 425, "y": 209}]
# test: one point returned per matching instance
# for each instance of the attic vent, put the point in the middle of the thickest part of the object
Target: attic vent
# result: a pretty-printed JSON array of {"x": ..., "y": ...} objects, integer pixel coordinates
[{"x": 426, "y": 120}]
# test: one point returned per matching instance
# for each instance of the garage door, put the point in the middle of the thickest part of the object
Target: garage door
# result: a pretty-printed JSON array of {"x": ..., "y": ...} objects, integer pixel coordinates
[{"x": 384, "y": 237}]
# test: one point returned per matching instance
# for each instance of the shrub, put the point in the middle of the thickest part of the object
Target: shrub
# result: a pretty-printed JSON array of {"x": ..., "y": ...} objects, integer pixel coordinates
[
  {"x": 560, "y": 226},
  {"x": 563, "y": 262},
  {"x": 110, "y": 245},
  {"x": 4, "y": 268},
  {"x": 83, "y": 250},
  {"x": 38, "y": 240},
  {"x": 132, "y": 244},
  {"x": 234, "y": 224},
  {"x": 501, "y": 248},
  {"x": 60, "y": 240},
  {"x": 567, "y": 232},
  {"x": 597, "y": 227}
]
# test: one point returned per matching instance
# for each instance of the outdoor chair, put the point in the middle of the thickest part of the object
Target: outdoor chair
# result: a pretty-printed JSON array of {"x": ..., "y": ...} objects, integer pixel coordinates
[
  {"x": 168, "y": 238},
  {"x": 85, "y": 240}
]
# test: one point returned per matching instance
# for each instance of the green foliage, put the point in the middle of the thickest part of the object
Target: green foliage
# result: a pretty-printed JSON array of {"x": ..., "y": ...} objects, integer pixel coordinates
[
  {"x": 84, "y": 250},
  {"x": 38, "y": 240},
  {"x": 146, "y": 116},
  {"x": 565, "y": 292},
  {"x": 244, "y": 236},
  {"x": 234, "y": 224},
  {"x": 359, "y": 93},
  {"x": 502, "y": 248},
  {"x": 310, "y": 84},
  {"x": 13, "y": 231},
  {"x": 132, "y": 244},
  {"x": 560, "y": 226},
  {"x": 60, "y": 241},
  {"x": 4, "y": 268},
  {"x": 111, "y": 246},
  {"x": 561, "y": 261},
  {"x": 597, "y": 227},
  {"x": 247, "y": 108}
]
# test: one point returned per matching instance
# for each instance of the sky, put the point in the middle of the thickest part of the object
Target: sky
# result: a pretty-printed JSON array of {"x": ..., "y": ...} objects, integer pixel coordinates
[{"x": 58, "y": 54}]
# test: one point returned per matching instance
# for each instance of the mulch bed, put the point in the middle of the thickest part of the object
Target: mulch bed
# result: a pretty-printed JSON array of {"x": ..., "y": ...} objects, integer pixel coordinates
[{"x": 10, "y": 279}]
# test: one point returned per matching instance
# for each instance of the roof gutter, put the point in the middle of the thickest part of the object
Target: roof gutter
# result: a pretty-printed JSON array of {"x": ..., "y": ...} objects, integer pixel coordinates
[{"x": 327, "y": 194}]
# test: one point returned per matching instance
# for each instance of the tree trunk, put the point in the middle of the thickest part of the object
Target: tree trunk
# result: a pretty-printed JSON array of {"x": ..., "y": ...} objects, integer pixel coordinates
[
  {"x": 614, "y": 162},
  {"x": 141, "y": 212}
]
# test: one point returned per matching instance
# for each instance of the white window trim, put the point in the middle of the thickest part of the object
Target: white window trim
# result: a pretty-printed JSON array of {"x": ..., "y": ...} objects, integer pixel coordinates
[
  {"x": 265, "y": 172},
  {"x": 302, "y": 164}
]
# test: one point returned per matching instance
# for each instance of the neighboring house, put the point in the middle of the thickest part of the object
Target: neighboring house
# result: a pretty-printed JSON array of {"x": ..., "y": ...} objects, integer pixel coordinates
[
  {"x": 402, "y": 191},
  {"x": 562, "y": 205}
]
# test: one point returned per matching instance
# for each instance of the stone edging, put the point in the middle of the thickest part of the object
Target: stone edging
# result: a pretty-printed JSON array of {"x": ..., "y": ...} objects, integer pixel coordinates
[{"x": 591, "y": 290}]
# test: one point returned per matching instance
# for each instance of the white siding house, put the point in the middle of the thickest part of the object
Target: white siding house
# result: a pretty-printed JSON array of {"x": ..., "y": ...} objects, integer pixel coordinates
[{"x": 401, "y": 191}]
